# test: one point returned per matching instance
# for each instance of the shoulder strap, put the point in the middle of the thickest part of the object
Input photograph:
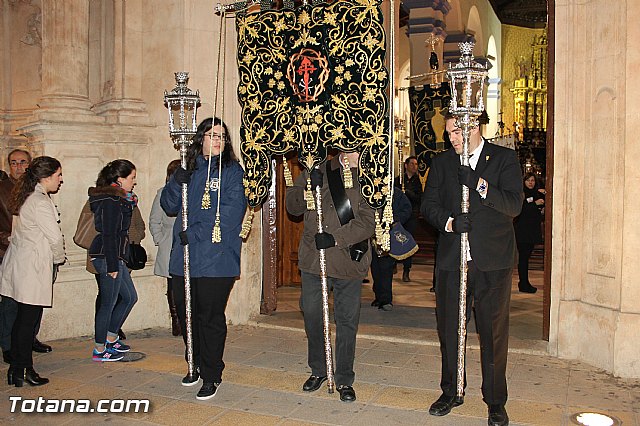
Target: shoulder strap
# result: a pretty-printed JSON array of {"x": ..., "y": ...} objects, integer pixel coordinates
[{"x": 339, "y": 195}]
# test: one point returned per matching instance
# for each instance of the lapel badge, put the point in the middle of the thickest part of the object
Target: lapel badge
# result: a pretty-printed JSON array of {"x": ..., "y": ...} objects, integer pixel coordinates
[{"x": 486, "y": 158}]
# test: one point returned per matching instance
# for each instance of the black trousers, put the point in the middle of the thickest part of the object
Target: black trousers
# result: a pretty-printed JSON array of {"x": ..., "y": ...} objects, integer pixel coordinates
[
  {"x": 22, "y": 335},
  {"x": 524, "y": 254},
  {"x": 346, "y": 304},
  {"x": 209, "y": 297},
  {"x": 382, "y": 274},
  {"x": 490, "y": 292}
]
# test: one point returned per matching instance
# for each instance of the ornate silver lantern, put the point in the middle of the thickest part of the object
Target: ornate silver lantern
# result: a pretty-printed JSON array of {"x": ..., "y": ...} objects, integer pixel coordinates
[
  {"x": 467, "y": 79},
  {"x": 183, "y": 104}
]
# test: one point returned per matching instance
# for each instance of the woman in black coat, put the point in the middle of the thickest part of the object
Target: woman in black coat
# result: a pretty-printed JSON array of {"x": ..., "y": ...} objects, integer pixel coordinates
[{"x": 528, "y": 229}]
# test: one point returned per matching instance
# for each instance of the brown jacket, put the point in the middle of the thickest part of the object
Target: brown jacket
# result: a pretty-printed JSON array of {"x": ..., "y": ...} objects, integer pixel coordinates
[
  {"x": 361, "y": 227},
  {"x": 6, "y": 186},
  {"x": 136, "y": 231}
]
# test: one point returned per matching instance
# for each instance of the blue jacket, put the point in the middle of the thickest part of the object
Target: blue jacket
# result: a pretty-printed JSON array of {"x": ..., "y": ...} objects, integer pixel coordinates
[
  {"x": 206, "y": 258},
  {"x": 112, "y": 217}
]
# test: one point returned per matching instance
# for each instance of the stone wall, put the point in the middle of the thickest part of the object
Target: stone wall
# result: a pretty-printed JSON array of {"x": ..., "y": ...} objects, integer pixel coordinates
[{"x": 595, "y": 312}]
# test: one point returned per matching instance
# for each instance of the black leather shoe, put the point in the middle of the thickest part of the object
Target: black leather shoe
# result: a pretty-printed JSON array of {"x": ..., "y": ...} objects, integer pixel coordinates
[
  {"x": 498, "y": 415},
  {"x": 444, "y": 404},
  {"x": 313, "y": 383},
  {"x": 347, "y": 394},
  {"x": 17, "y": 377},
  {"x": 38, "y": 346},
  {"x": 405, "y": 277},
  {"x": 121, "y": 335}
]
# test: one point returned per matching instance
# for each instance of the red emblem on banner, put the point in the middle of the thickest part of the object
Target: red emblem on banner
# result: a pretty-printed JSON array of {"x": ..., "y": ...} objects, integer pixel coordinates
[{"x": 308, "y": 72}]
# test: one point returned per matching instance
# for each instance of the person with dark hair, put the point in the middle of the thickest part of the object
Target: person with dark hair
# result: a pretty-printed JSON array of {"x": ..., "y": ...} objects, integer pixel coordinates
[
  {"x": 348, "y": 223},
  {"x": 161, "y": 227},
  {"x": 493, "y": 178},
  {"x": 112, "y": 202},
  {"x": 216, "y": 207},
  {"x": 31, "y": 261},
  {"x": 18, "y": 160},
  {"x": 413, "y": 191},
  {"x": 528, "y": 229}
]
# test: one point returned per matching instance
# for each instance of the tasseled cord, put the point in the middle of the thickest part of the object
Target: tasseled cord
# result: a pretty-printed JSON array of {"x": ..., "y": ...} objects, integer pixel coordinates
[{"x": 246, "y": 225}]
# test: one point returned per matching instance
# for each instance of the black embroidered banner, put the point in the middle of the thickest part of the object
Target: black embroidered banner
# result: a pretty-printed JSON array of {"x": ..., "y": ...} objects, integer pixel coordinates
[
  {"x": 428, "y": 109},
  {"x": 314, "y": 78}
]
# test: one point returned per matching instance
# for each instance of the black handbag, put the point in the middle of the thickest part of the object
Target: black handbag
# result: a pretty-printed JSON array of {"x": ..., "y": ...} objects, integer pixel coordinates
[{"x": 137, "y": 257}]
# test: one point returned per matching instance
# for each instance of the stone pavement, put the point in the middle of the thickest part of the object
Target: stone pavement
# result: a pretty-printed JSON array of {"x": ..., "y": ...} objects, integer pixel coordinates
[{"x": 396, "y": 381}]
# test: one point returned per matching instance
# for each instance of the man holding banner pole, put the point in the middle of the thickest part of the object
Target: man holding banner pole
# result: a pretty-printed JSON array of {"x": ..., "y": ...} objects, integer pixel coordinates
[{"x": 495, "y": 198}]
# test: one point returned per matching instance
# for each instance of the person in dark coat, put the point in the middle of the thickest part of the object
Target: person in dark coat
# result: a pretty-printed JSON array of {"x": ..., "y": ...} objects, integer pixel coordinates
[
  {"x": 345, "y": 270},
  {"x": 212, "y": 170},
  {"x": 528, "y": 229},
  {"x": 112, "y": 202},
  {"x": 495, "y": 198},
  {"x": 382, "y": 263},
  {"x": 413, "y": 191}
]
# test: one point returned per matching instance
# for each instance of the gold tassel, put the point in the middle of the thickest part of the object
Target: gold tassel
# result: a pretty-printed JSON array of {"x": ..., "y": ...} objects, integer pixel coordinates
[
  {"x": 346, "y": 170},
  {"x": 378, "y": 231},
  {"x": 308, "y": 196},
  {"x": 206, "y": 198},
  {"x": 216, "y": 235},
  {"x": 246, "y": 225},
  {"x": 288, "y": 179}
]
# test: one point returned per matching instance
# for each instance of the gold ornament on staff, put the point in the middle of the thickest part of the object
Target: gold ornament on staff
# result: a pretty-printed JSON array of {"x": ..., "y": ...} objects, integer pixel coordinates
[
  {"x": 346, "y": 170},
  {"x": 467, "y": 79},
  {"x": 183, "y": 104}
]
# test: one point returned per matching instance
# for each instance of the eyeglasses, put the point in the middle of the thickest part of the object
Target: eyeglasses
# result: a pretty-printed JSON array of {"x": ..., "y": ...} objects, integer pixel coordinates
[
  {"x": 214, "y": 135},
  {"x": 14, "y": 163}
]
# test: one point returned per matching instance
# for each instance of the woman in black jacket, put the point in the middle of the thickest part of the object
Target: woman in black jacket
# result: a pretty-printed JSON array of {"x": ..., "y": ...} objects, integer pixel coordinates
[
  {"x": 112, "y": 202},
  {"x": 528, "y": 229}
]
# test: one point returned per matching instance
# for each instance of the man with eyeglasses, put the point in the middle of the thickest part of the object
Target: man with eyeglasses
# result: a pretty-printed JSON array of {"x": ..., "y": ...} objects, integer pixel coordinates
[{"x": 18, "y": 161}]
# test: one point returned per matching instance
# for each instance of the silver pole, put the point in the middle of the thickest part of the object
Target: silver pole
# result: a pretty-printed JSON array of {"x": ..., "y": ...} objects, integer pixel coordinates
[
  {"x": 464, "y": 248},
  {"x": 187, "y": 273},
  {"x": 326, "y": 330}
]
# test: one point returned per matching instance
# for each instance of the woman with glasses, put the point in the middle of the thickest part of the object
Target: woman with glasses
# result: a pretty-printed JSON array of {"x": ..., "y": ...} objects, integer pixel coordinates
[
  {"x": 31, "y": 262},
  {"x": 216, "y": 207}
]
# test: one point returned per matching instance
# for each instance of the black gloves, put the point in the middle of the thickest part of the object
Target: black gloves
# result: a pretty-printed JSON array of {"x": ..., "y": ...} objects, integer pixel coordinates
[
  {"x": 324, "y": 240},
  {"x": 316, "y": 178},
  {"x": 468, "y": 177},
  {"x": 182, "y": 176},
  {"x": 183, "y": 237},
  {"x": 461, "y": 223}
]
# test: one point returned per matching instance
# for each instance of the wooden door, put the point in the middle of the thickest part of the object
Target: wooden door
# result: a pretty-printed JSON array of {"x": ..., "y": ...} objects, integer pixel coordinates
[{"x": 281, "y": 234}]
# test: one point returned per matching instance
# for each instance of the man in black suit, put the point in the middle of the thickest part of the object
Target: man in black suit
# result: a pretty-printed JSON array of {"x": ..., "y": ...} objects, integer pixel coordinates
[{"x": 495, "y": 198}]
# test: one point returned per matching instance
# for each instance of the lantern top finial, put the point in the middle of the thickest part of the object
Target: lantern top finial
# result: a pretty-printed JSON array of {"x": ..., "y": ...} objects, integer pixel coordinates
[
  {"x": 466, "y": 49},
  {"x": 181, "y": 90},
  {"x": 182, "y": 78}
]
